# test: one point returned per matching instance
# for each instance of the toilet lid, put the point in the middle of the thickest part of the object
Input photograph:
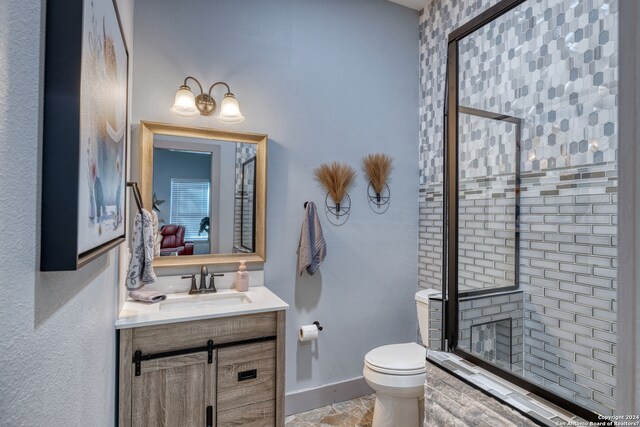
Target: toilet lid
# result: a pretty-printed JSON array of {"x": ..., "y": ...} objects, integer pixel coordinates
[{"x": 398, "y": 359}]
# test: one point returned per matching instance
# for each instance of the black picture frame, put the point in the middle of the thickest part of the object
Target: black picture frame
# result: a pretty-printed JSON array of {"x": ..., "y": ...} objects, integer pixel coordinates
[{"x": 60, "y": 250}]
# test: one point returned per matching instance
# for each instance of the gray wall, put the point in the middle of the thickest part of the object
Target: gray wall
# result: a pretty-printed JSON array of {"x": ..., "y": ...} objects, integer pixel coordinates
[
  {"x": 330, "y": 80},
  {"x": 57, "y": 341},
  {"x": 168, "y": 164}
]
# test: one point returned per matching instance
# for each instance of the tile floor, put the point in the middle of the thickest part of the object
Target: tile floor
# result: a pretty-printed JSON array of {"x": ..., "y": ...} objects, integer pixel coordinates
[{"x": 357, "y": 412}]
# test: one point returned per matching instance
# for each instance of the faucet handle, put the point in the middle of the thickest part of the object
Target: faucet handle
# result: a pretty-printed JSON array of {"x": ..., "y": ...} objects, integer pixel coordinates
[
  {"x": 194, "y": 288},
  {"x": 212, "y": 283}
]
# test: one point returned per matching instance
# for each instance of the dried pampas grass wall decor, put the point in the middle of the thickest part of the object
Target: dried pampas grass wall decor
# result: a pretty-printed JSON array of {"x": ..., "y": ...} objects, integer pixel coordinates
[
  {"x": 336, "y": 178},
  {"x": 377, "y": 168}
]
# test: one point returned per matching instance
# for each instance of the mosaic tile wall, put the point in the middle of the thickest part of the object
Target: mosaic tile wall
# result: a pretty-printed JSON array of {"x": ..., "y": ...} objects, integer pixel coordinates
[
  {"x": 437, "y": 20},
  {"x": 487, "y": 233},
  {"x": 492, "y": 341},
  {"x": 487, "y": 147},
  {"x": 554, "y": 65},
  {"x": 568, "y": 261},
  {"x": 430, "y": 229},
  {"x": 485, "y": 310},
  {"x": 489, "y": 309}
]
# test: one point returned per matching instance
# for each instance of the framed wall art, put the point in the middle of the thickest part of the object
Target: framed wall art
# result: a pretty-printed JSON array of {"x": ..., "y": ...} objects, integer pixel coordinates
[{"x": 85, "y": 133}]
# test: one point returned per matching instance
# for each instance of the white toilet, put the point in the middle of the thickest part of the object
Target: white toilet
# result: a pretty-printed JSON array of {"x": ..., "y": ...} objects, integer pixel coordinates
[{"x": 397, "y": 374}]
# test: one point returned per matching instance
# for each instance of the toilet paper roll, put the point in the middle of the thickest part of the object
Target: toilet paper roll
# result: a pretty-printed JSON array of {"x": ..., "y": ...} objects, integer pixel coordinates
[{"x": 307, "y": 333}]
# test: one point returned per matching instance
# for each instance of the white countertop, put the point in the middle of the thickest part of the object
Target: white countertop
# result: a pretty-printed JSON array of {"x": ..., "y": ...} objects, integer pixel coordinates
[{"x": 135, "y": 314}]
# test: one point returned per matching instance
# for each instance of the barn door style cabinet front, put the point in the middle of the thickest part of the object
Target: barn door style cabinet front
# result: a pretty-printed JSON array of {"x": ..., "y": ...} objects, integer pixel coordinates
[{"x": 217, "y": 372}]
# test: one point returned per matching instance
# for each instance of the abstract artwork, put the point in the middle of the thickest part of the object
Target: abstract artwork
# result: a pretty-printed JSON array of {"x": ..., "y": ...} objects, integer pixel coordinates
[
  {"x": 103, "y": 127},
  {"x": 85, "y": 133}
]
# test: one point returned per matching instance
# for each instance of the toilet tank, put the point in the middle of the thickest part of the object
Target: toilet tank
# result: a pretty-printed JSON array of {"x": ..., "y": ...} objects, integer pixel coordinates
[{"x": 422, "y": 305}]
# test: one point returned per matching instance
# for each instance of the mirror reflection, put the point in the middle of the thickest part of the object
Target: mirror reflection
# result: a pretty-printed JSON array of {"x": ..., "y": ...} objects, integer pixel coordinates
[
  {"x": 247, "y": 205},
  {"x": 204, "y": 195}
]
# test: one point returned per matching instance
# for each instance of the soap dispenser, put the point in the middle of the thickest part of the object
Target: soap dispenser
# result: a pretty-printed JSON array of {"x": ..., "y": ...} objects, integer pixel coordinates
[{"x": 242, "y": 278}]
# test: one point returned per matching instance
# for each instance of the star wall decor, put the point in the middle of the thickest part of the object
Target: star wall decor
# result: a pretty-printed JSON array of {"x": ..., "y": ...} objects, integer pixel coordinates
[{"x": 156, "y": 203}]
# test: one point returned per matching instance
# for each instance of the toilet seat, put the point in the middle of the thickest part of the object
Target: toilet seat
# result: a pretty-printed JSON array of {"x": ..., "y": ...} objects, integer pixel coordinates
[{"x": 397, "y": 359}]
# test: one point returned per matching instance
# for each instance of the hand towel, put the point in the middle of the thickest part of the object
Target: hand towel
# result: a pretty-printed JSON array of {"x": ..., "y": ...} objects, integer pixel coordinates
[
  {"x": 140, "y": 271},
  {"x": 145, "y": 295},
  {"x": 157, "y": 238},
  {"x": 312, "y": 249}
]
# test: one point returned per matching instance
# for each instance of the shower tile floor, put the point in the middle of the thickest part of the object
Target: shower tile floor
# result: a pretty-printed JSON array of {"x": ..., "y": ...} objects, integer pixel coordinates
[{"x": 356, "y": 412}]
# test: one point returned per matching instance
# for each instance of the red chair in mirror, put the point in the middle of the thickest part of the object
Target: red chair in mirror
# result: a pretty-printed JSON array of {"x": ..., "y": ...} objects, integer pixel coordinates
[{"x": 173, "y": 241}]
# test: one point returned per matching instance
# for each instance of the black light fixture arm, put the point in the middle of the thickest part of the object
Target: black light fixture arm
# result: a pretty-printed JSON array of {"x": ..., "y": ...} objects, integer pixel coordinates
[
  {"x": 219, "y": 83},
  {"x": 195, "y": 80}
]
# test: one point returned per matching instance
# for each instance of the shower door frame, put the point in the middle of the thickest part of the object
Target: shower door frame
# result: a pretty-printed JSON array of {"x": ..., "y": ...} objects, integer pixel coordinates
[
  {"x": 489, "y": 115},
  {"x": 450, "y": 216}
]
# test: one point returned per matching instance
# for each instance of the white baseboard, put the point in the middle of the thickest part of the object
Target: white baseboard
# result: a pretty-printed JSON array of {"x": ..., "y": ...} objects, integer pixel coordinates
[{"x": 305, "y": 400}]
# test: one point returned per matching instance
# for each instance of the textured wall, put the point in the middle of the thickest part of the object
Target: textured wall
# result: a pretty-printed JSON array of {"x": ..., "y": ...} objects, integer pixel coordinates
[
  {"x": 57, "y": 341},
  {"x": 330, "y": 80}
]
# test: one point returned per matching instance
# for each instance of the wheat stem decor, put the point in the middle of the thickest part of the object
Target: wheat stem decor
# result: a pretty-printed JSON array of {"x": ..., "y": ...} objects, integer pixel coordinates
[
  {"x": 377, "y": 168},
  {"x": 336, "y": 178}
]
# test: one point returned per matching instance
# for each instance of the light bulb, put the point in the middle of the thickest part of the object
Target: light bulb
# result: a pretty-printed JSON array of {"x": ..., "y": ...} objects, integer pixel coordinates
[
  {"x": 230, "y": 110},
  {"x": 184, "y": 105}
]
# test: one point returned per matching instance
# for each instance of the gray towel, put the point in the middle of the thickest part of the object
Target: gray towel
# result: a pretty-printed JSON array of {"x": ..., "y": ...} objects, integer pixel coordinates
[
  {"x": 147, "y": 296},
  {"x": 157, "y": 238},
  {"x": 141, "y": 265},
  {"x": 312, "y": 248}
]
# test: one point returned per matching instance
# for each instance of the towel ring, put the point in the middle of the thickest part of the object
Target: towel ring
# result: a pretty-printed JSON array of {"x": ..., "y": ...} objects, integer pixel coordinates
[
  {"x": 379, "y": 202},
  {"x": 339, "y": 209}
]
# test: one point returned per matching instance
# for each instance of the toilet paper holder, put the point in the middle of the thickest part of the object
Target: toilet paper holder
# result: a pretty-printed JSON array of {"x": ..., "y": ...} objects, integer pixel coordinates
[{"x": 318, "y": 325}]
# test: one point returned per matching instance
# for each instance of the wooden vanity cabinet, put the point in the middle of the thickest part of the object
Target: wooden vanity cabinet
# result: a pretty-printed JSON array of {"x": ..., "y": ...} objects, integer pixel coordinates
[{"x": 216, "y": 372}]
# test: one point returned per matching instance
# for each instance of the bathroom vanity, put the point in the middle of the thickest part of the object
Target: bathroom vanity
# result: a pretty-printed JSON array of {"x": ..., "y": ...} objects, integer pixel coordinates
[{"x": 203, "y": 360}]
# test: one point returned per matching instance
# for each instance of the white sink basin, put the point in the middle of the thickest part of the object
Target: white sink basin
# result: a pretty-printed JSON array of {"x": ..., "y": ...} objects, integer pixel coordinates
[{"x": 203, "y": 302}]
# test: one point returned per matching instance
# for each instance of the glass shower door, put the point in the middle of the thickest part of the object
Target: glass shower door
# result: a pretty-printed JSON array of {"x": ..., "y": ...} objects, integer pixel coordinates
[
  {"x": 490, "y": 306},
  {"x": 531, "y": 190}
]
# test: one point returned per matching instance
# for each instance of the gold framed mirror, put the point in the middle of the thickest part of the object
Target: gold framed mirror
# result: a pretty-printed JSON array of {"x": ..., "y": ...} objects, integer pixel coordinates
[{"x": 208, "y": 188}]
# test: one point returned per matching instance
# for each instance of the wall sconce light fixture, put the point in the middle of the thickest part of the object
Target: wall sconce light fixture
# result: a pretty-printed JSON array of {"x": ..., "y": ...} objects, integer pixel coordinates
[{"x": 188, "y": 106}]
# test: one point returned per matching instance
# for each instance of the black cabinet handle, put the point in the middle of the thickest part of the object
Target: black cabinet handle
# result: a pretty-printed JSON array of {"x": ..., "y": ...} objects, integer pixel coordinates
[
  {"x": 247, "y": 375},
  {"x": 209, "y": 416}
]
